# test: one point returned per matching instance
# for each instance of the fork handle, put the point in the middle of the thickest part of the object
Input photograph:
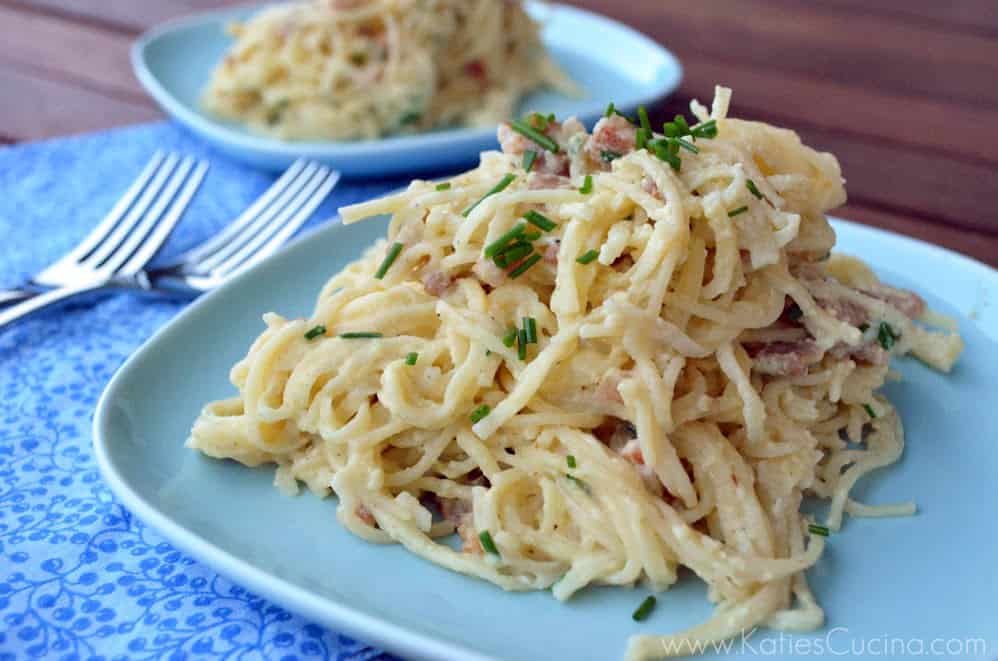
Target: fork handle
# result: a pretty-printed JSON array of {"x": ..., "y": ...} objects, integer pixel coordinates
[
  {"x": 44, "y": 300},
  {"x": 8, "y": 296}
]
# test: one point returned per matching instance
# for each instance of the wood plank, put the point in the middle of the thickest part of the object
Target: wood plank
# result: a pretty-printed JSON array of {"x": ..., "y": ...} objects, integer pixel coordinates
[
  {"x": 979, "y": 16},
  {"x": 93, "y": 57},
  {"x": 47, "y": 107},
  {"x": 124, "y": 15},
  {"x": 931, "y": 124},
  {"x": 983, "y": 247},
  {"x": 875, "y": 52}
]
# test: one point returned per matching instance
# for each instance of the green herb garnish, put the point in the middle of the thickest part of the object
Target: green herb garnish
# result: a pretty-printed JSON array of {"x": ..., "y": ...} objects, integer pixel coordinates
[
  {"x": 521, "y": 344},
  {"x": 390, "y": 258},
  {"x": 750, "y": 185},
  {"x": 736, "y": 212},
  {"x": 498, "y": 188},
  {"x": 642, "y": 138},
  {"x": 486, "y": 539},
  {"x": 444, "y": 186},
  {"x": 587, "y": 257},
  {"x": 587, "y": 185},
  {"x": 571, "y": 461},
  {"x": 510, "y": 337},
  {"x": 411, "y": 358},
  {"x": 687, "y": 145},
  {"x": 530, "y": 132},
  {"x": 530, "y": 324},
  {"x": 608, "y": 155},
  {"x": 644, "y": 610},
  {"x": 643, "y": 118},
  {"x": 315, "y": 332},
  {"x": 496, "y": 246},
  {"x": 522, "y": 268},
  {"x": 529, "y": 157},
  {"x": 480, "y": 413},
  {"x": 869, "y": 411},
  {"x": 360, "y": 336},
  {"x": 532, "y": 235},
  {"x": 886, "y": 336},
  {"x": 540, "y": 220},
  {"x": 815, "y": 529},
  {"x": 512, "y": 254}
]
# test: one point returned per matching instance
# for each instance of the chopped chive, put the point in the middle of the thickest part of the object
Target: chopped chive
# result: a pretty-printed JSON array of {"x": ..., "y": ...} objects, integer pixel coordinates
[
  {"x": 608, "y": 155},
  {"x": 522, "y": 268},
  {"x": 521, "y": 344},
  {"x": 512, "y": 254},
  {"x": 486, "y": 539},
  {"x": 390, "y": 258},
  {"x": 411, "y": 358},
  {"x": 610, "y": 109},
  {"x": 587, "y": 257},
  {"x": 444, "y": 186},
  {"x": 529, "y": 157},
  {"x": 498, "y": 188},
  {"x": 538, "y": 121},
  {"x": 315, "y": 332},
  {"x": 643, "y": 118},
  {"x": 815, "y": 529},
  {"x": 643, "y": 135},
  {"x": 886, "y": 336},
  {"x": 587, "y": 185},
  {"x": 530, "y": 132},
  {"x": 579, "y": 483},
  {"x": 360, "y": 336},
  {"x": 540, "y": 220},
  {"x": 496, "y": 246},
  {"x": 687, "y": 145},
  {"x": 644, "y": 610},
  {"x": 750, "y": 185},
  {"x": 510, "y": 337},
  {"x": 869, "y": 411},
  {"x": 530, "y": 325},
  {"x": 680, "y": 122},
  {"x": 663, "y": 150},
  {"x": 736, "y": 212},
  {"x": 571, "y": 461},
  {"x": 532, "y": 235},
  {"x": 705, "y": 130},
  {"x": 480, "y": 413}
]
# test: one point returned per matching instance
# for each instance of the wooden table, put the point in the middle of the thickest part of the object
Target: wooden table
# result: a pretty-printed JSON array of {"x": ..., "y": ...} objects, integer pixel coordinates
[{"x": 904, "y": 92}]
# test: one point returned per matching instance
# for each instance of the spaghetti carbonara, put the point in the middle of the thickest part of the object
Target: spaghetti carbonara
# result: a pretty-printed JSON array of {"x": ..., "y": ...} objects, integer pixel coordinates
[
  {"x": 597, "y": 358},
  {"x": 352, "y": 69}
]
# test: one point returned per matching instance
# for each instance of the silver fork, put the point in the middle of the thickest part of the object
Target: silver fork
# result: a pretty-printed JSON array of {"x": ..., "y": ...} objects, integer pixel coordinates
[
  {"x": 255, "y": 234},
  {"x": 125, "y": 240}
]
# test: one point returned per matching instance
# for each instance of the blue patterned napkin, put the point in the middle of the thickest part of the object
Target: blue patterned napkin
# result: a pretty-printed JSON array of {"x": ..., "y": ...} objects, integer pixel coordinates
[{"x": 80, "y": 577}]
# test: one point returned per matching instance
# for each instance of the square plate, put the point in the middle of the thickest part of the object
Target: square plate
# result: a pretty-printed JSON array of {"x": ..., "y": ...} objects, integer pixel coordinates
[{"x": 916, "y": 579}]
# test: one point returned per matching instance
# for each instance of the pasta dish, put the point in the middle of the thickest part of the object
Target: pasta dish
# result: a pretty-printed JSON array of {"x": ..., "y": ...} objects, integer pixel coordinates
[
  {"x": 353, "y": 69},
  {"x": 597, "y": 358}
]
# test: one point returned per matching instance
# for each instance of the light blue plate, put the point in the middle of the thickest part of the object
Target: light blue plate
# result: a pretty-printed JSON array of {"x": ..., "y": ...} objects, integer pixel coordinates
[
  {"x": 915, "y": 579},
  {"x": 609, "y": 61}
]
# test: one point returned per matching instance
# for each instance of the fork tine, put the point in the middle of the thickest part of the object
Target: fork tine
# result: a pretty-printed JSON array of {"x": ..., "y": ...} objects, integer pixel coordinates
[
  {"x": 243, "y": 237},
  {"x": 286, "y": 224},
  {"x": 224, "y": 237},
  {"x": 148, "y": 249},
  {"x": 134, "y": 216},
  {"x": 99, "y": 233},
  {"x": 121, "y": 253}
]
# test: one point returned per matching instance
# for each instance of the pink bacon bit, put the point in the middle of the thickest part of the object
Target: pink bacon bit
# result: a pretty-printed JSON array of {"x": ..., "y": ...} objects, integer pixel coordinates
[
  {"x": 515, "y": 144},
  {"x": 546, "y": 181},
  {"x": 476, "y": 69},
  {"x": 365, "y": 515},
  {"x": 784, "y": 358},
  {"x": 907, "y": 302},
  {"x": 437, "y": 283},
  {"x": 612, "y": 138}
]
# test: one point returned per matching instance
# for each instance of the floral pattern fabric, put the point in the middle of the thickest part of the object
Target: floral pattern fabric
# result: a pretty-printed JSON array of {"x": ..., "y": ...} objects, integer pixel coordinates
[{"x": 80, "y": 576}]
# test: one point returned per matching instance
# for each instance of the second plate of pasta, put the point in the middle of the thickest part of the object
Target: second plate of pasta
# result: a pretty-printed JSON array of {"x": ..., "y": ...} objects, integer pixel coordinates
[{"x": 175, "y": 64}]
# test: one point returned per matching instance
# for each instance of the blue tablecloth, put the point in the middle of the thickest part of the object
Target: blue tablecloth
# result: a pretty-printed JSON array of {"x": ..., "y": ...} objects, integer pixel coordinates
[{"x": 80, "y": 577}]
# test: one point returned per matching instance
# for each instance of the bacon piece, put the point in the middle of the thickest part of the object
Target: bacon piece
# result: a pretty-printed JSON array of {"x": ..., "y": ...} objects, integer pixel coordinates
[
  {"x": 551, "y": 252},
  {"x": 845, "y": 310},
  {"x": 784, "y": 358},
  {"x": 907, "y": 302},
  {"x": 365, "y": 515},
  {"x": 650, "y": 187},
  {"x": 546, "y": 181},
  {"x": 606, "y": 391},
  {"x": 515, "y": 144},
  {"x": 488, "y": 273},
  {"x": 437, "y": 283},
  {"x": 868, "y": 352},
  {"x": 458, "y": 512},
  {"x": 612, "y": 137},
  {"x": 476, "y": 69}
]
